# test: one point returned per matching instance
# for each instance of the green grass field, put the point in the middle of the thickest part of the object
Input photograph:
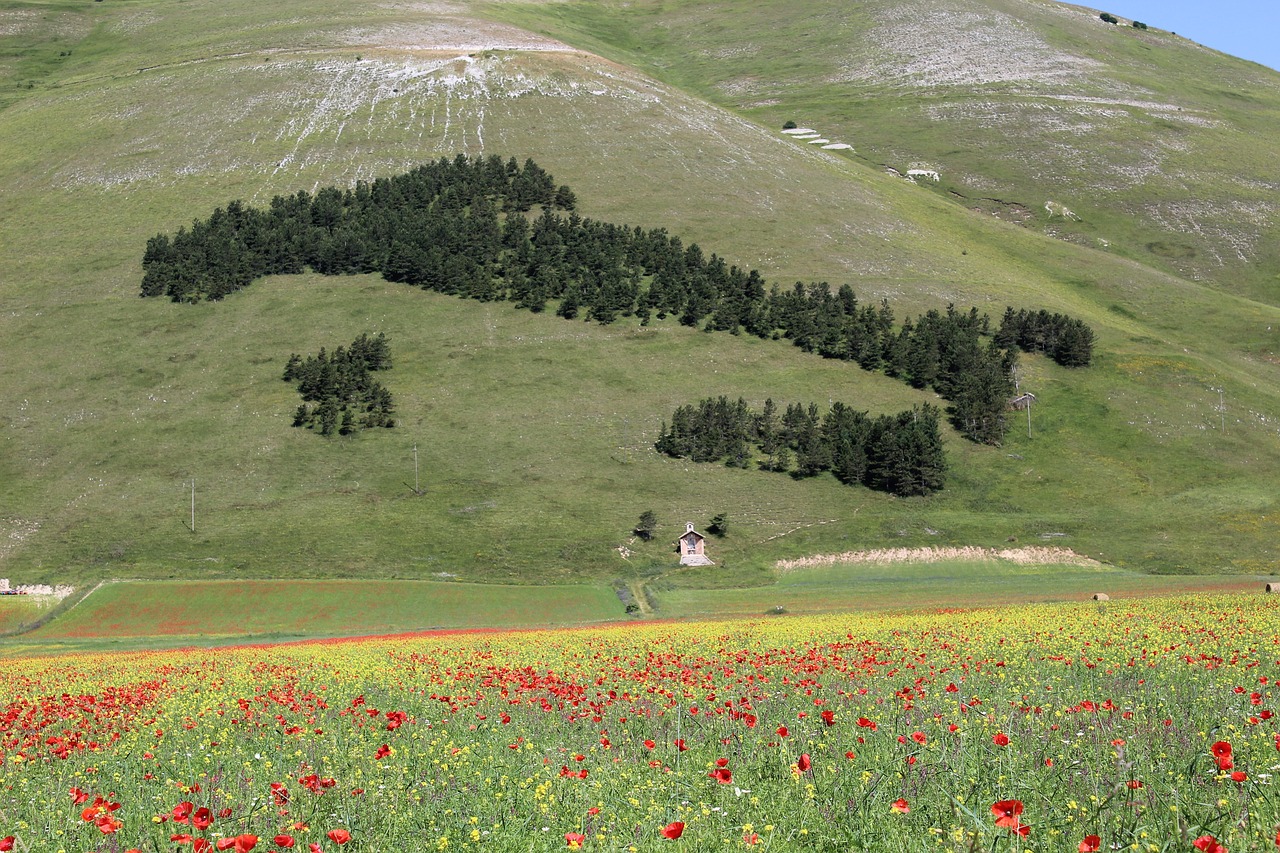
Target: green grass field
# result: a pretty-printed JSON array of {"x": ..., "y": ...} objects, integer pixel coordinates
[
  {"x": 18, "y": 611},
  {"x": 251, "y": 608},
  {"x": 929, "y": 586},
  {"x": 534, "y": 433}
]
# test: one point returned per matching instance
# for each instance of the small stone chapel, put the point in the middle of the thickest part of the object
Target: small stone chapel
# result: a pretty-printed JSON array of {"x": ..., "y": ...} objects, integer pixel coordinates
[{"x": 692, "y": 547}]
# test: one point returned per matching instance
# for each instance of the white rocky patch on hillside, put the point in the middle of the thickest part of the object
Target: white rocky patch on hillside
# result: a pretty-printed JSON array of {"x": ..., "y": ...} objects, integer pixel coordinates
[
  {"x": 14, "y": 532},
  {"x": 1219, "y": 224},
  {"x": 812, "y": 137},
  {"x": 953, "y": 45},
  {"x": 21, "y": 22}
]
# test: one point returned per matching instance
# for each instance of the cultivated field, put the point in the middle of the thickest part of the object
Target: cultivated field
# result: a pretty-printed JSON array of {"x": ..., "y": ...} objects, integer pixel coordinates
[
  {"x": 1145, "y": 725},
  {"x": 198, "y": 611}
]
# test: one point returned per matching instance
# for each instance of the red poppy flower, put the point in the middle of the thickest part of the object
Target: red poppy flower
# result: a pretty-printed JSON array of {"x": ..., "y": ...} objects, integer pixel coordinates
[
  {"x": 782, "y": 731},
  {"x": 1007, "y": 815},
  {"x": 201, "y": 845},
  {"x": 1091, "y": 844},
  {"x": 673, "y": 830},
  {"x": 648, "y": 744},
  {"x": 900, "y": 806},
  {"x": 1239, "y": 776},
  {"x": 1006, "y": 808},
  {"x": 201, "y": 818},
  {"x": 284, "y": 840},
  {"x": 723, "y": 775},
  {"x": 339, "y": 836},
  {"x": 574, "y": 840},
  {"x": 1208, "y": 844},
  {"x": 6, "y": 843},
  {"x": 828, "y": 717},
  {"x": 239, "y": 843},
  {"x": 803, "y": 763},
  {"x": 1220, "y": 749},
  {"x": 1000, "y": 739},
  {"x": 182, "y": 812}
]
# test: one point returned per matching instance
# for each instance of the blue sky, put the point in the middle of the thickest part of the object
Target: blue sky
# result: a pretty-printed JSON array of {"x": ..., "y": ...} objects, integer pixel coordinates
[{"x": 1249, "y": 29}]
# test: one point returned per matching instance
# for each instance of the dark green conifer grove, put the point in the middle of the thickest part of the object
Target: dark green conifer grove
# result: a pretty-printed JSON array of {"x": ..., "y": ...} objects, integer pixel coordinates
[
  {"x": 467, "y": 227},
  {"x": 901, "y": 454},
  {"x": 338, "y": 392}
]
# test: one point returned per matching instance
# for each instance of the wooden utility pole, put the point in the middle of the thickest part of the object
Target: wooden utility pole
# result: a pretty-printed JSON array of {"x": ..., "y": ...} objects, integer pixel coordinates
[
  {"x": 417, "y": 488},
  {"x": 193, "y": 504}
]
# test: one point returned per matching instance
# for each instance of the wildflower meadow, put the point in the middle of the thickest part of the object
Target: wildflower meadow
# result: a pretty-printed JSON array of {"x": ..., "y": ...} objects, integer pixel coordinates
[{"x": 1132, "y": 725}]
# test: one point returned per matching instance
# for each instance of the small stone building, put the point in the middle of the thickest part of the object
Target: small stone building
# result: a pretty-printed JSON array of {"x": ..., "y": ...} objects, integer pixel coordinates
[{"x": 692, "y": 547}]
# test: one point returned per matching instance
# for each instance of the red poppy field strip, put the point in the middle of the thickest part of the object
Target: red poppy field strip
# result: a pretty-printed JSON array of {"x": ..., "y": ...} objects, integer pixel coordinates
[{"x": 1148, "y": 725}]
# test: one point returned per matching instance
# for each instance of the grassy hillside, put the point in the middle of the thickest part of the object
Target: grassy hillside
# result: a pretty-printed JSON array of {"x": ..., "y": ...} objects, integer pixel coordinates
[
  {"x": 1159, "y": 148},
  {"x": 534, "y": 433}
]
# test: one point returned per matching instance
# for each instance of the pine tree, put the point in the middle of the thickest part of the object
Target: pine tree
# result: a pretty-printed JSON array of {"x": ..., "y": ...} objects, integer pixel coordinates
[
  {"x": 647, "y": 525},
  {"x": 327, "y": 415}
]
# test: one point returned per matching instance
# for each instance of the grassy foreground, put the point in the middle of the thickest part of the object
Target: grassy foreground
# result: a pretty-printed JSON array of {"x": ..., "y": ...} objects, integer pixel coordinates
[{"x": 1142, "y": 725}]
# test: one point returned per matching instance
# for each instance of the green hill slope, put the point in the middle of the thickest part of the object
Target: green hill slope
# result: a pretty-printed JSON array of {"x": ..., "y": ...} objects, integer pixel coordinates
[
  {"x": 120, "y": 120},
  {"x": 1161, "y": 150}
]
